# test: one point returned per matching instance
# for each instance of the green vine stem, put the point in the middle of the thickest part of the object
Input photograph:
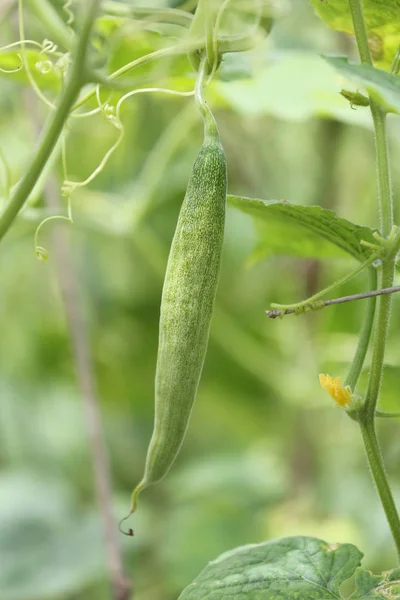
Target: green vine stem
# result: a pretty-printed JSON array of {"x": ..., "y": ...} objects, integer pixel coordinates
[
  {"x": 50, "y": 18},
  {"x": 378, "y": 356},
  {"x": 360, "y": 31},
  {"x": 210, "y": 125},
  {"x": 379, "y": 475},
  {"x": 365, "y": 336},
  {"x": 55, "y": 124},
  {"x": 367, "y": 417},
  {"x": 287, "y": 308}
]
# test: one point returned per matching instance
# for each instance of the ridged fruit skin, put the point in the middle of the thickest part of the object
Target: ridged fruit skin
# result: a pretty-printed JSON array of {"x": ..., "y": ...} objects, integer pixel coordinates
[{"x": 187, "y": 303}]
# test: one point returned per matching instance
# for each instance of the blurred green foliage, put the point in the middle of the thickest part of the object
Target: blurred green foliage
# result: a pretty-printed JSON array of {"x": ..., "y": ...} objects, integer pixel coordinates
[
  {"x": 267, "y": 454},
  {"x": 382, "y": 18}
]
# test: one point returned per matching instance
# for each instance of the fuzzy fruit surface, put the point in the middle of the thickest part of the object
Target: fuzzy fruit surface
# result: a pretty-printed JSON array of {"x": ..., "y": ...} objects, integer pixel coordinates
[{"x": 188, "y": 296}]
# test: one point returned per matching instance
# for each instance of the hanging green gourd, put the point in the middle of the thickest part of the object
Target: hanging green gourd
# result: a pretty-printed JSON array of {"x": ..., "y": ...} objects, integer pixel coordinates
[{"x": 187, "y": 302}]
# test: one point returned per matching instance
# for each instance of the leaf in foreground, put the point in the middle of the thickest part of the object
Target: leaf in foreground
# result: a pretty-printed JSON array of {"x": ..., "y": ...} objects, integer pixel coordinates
[
  {"x": 293, "y": 568},
  {"x": 373, "y": 587},
  {"x": 304, "y": 231}
]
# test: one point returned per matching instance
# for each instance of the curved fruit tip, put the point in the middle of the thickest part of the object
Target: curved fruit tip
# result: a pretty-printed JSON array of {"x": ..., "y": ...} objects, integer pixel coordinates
[{"x": 129, "y": 532}]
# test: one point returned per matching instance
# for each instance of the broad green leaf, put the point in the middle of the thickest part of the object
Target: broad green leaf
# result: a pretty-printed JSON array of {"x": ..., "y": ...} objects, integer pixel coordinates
[
  {"x": 382, "y": 18},
  {"x": 288, "y": 568},
  {"x": 370, "y": 586},
  {"x": 383, "y": 87},
  {"x": 307, "y": 231}
]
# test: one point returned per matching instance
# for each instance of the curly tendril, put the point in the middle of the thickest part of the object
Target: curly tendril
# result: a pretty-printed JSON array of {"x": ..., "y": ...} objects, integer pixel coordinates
[
  {"x": 112, "y": 114},
  {"x": 47, "y": 66},
  {"x": 138, "y": 62},
  {"x": 46, "y": 47},
  {"x": 19, "y": 43},
  {"x": 40, "y": 251},
  {"x": 53, "y": 60},
  {"x": 70, "y": 15},
  {"x": 25, "y": 61},
  {"x": 49, "y": 47}
]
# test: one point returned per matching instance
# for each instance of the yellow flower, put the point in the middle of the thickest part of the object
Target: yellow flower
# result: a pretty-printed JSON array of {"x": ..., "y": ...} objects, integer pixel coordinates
[{"x": 341, "y": 395}]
